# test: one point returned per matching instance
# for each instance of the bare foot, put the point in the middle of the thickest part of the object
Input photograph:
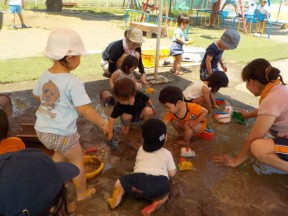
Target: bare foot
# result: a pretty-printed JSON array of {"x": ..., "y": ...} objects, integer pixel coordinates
[
  {"x": 86, "y": 195},
  {"x": 125, "y": 130}
]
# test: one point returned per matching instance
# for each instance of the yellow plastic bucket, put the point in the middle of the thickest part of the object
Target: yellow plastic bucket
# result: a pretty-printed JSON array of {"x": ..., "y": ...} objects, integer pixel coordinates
[{"x": 149, "y": 56}]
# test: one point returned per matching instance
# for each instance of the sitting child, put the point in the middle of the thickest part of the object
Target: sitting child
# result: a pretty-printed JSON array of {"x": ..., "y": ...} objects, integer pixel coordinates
[
  {"x": 203, "y": 93},
  {"x": 262, "y": 13},
  {"x": 187, "y": 118},
  {"x": 229, "y": 40},
  {"x": 132, "y": 106},
  {"x": 129, "y": 64},
  {"x": 154, "y": 165}
]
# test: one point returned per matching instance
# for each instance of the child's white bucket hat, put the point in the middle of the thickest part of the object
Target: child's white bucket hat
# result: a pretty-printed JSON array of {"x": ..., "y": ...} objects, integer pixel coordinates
[{"x": 64, "y": 42}]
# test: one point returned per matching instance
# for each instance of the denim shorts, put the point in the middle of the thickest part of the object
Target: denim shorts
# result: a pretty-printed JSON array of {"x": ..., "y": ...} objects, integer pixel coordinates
[
  {"x": 204, "y": 73},
  {"x": 15, "y": 9},
  {"x": 281, "y": 147},
  {"x": 57, "y": 142},
  {"x": 141, "y": 185}
]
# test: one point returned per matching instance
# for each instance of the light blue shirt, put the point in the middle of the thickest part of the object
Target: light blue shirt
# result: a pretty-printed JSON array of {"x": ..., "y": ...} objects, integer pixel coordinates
[
  {"x": 59, "y": 95},
  {"x": 180, "y": 32}
]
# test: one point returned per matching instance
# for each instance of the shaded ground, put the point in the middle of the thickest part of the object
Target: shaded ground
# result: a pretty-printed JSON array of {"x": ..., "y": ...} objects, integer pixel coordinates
[{"x": 208, "y": 190}]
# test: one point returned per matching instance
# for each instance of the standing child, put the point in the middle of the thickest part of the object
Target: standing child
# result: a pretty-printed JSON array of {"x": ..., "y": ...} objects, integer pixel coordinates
[
  {"x": 229, "y": 40},
  {"x": 176, "y": 50},
  {"x": 62, "y": 97},
  {"x": 132, "y": 106},
  {"x": 233, "y": 2},
  {"x": 262, "y": 14},
  {"x": 203, "y": 93},
  {"x": 187, "y": 118},
  {"x": 153, "y": 167},
  {"x": 129, "y": 64},
  {"x": 15, "y": 7}
]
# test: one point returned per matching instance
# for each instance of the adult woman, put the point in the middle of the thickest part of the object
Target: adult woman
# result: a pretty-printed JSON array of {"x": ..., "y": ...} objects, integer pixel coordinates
[
  {"x": 272, "y": 116},
  {"x": 116, "y": 51}
]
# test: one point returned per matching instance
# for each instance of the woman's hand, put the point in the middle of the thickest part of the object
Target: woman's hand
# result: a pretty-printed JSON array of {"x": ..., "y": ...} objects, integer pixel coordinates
[{"x": 225, "y": 160}]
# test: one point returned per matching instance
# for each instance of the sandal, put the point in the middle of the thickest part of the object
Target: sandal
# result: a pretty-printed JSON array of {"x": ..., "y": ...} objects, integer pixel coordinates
[{"x": 177, "y": 72}]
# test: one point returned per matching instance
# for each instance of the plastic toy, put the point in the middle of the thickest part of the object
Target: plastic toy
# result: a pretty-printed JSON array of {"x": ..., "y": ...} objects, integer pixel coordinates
[
  {"x": 220, "y": 101},
  {"x": 184, "y": 164},
  {"x": 94, "y": 149},
  {"x": 238, "y": 118},
  {"x": 207, "y": 134},
  {"x": 222, "y": 117},
  {"x": 148, "y": 90},
  {"x": 11, "y": 144},
  {"x": 187, "y": 152},
  {"x": 93, "y": 160}
]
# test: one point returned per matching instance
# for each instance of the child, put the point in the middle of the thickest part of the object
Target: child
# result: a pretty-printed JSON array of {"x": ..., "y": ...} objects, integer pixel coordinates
[
  {"x": 176, "y": 50},
  {"x": 262, "y": 13},
  {"x": 250, "y": 9},
  {"x": 129, "y": 64},
  {"x": 229, "y": 40},
  {"x": 233, "y": 2},
  {"x": 62, "y": 97},
  {"x": 15, "y": 6},
  {"x": 132, "y": 106},
  {"x": 202, "y": 93},
  {"x": 187, "y": 118},
  {"x": 153, "y": 167}
]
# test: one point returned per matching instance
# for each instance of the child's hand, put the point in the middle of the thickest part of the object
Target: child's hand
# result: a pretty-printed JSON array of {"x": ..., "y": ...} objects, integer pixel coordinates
[
  {"x": 224, "y": 68},
  {"x": 109, "y": 135},
  {"x": 244, "y": 113}
]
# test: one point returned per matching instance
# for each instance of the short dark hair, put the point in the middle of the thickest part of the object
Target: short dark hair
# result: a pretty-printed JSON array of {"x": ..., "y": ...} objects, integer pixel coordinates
[
  {"x": 124, "y": 88},
  {"x": 217, "y": 80},
  {"x": 128, "y": 62},
  {"x": 4, "y": 126},
  {"x": 182, "y": 18},
  {"x": 262, "y": 71},
  {"x": 171, "y": 94}
]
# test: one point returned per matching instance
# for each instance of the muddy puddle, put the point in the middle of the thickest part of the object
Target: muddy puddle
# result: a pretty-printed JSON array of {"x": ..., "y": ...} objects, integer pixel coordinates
[{"x": 208, "y": 190}]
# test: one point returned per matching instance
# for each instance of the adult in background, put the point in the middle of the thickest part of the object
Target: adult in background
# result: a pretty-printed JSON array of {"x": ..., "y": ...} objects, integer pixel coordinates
[
  {"x": 272, "y": 116},
  {"x": 115, "y": 52}
]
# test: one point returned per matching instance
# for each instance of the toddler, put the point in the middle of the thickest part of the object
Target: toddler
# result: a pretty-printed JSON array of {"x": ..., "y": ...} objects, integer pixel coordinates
[
  {"x": 132, "y": 106},
  {"x": 153, "y": 167},
  {"x": 129, "y": 64},
  {"x": 262, "y": 13},
  {"x": 187, "y": 118},
  {"x": 203, "y": 93},
  {"x": 176, "y": 50},
  {"x": 62, "y": 98},
  {"x": 213, "y": 55},
  {"x": 15, "y": 7}
]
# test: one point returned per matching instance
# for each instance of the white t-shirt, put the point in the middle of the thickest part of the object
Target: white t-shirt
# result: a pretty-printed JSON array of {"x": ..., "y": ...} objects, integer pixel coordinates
[
  {"x": 263, "y": 10},
  {"x": 276, "y": 103},
  {"x": 59, "y": 94},
  {"x": 194, "y": 90},
  {"x": 154, "y": 163},
  {"x": 15, "y": 2},
  {"x": 251, "y": 8}
]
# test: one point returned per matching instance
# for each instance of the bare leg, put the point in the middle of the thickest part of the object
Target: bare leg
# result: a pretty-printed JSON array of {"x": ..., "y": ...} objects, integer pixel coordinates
[
  {"x": 188, "y": 133},
  {"x": 125, "y": 119},
  {"x": 117, "y": 195},
  {"x": 146, "y": 114},
  {"x": 21, "y": 19},
  {"x": 263, "y": 150},
  {"x": 75, "y": 156},
  {"x": 154, "y": 206}
]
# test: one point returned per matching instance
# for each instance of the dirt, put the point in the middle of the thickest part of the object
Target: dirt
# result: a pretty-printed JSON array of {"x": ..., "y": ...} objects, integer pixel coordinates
[{"x": 208, "y": 190}]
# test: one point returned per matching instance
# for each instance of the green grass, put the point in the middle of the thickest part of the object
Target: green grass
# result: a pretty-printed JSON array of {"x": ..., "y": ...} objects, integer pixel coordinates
[{"x": 26, "y": 69}]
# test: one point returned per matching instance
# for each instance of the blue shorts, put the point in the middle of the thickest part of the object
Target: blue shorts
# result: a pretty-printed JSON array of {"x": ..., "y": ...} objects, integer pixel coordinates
[
  {"x": 204, "y": 73},
  {"x": 281, "y": 147},
  {"x": 233, "y": 2},
  {"x": 176, "y": 49},
  {"x": 149, "y": 187},
  {"x": 15, "y": 9}
]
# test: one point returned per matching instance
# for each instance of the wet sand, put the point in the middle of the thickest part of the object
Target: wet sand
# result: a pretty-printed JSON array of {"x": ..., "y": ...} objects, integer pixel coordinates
[{"x": 209, "y": 190}]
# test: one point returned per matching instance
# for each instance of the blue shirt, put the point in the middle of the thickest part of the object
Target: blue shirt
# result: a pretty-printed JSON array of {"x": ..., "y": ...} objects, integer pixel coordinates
[
  {"x": 59, "y": 95},
  {"x": 215, "y": 52}
]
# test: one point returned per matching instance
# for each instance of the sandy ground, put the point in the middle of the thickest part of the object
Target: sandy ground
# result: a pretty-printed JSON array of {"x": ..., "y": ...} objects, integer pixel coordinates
[{"x": 208, "y": 190}]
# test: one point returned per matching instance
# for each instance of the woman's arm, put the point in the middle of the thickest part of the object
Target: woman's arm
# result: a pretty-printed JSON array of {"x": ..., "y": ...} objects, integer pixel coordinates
[{"x": 261, "y": 127}]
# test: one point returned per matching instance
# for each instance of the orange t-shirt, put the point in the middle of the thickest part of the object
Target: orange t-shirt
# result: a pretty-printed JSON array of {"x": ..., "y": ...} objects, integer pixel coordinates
[{"x": 193, "y": 110}]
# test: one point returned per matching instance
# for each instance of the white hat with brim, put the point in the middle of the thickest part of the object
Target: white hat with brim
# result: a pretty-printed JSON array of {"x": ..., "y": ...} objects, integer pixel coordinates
[
  {"x": 64, "y": 42},
  {"x": 135, "y": 35}
]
